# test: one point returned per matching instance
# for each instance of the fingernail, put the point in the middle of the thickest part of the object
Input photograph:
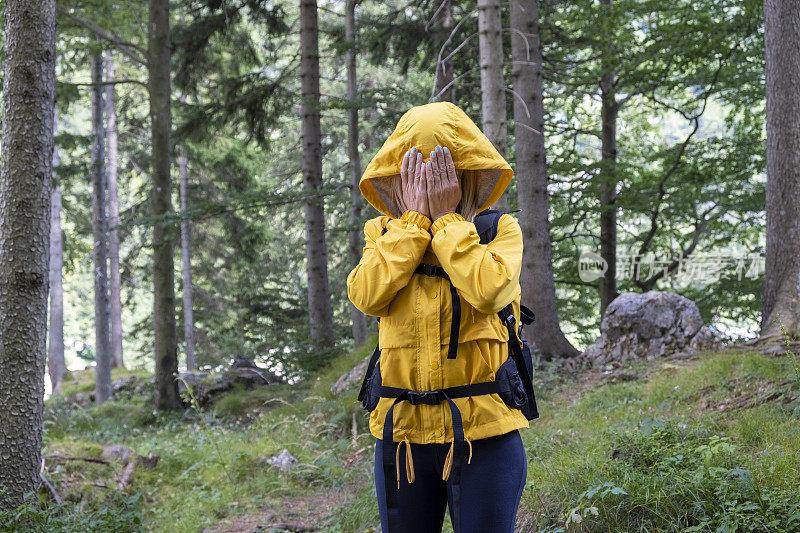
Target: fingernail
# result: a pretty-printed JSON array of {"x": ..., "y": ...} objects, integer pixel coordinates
[
  {"x": 407, "y": 152},
  {"x": 433, "y": 155},
  {"x": 446, "y": 150},
  {"x": 438, "y": 148},
  {"x": 429, "y": 165},
  {"x": 419, "y": 155}
]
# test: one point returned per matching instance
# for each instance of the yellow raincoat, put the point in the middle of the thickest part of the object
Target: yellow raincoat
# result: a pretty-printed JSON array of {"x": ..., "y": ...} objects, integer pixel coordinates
[{"x": 415, "y": 310}]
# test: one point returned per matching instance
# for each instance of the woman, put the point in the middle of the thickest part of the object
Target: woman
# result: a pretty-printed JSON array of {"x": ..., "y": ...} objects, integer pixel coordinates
[{"x": 429, "y": 179}]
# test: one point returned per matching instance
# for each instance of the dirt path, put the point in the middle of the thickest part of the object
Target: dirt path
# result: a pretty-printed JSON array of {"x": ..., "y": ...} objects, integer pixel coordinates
[{"x": 299, "y": 514}]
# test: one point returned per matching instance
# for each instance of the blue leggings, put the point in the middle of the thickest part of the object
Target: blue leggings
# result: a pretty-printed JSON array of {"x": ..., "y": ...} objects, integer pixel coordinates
[{"x": 491, "y": 486}]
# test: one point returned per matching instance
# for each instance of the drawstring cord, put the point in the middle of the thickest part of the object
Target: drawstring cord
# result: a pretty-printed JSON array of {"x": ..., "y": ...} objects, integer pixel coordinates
[
  {"x": 448, "y": 461},
  {"x": 409, "y": 461}
]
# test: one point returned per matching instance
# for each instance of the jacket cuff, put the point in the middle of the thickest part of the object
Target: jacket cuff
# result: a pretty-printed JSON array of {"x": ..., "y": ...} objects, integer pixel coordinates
[
  {"x": 443, "y": 220},
  {"x": 413, "y": 217}
]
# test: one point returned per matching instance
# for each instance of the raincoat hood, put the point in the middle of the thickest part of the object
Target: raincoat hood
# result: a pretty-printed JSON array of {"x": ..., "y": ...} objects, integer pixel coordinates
[{"x": 425, "y": 126}]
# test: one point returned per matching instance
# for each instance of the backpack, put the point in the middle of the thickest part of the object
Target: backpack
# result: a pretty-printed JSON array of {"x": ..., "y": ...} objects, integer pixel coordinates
[{"x": 513, "y": 381}]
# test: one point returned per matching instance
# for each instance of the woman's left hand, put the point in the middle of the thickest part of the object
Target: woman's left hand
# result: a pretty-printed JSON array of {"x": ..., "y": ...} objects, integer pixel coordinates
[{"x": 444, "y": 190}]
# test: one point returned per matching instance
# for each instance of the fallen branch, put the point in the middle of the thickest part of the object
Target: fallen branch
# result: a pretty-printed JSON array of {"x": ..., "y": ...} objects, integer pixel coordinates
[
  {"x": 88, "y": 459},
  {"x": 51, "y": 488}
]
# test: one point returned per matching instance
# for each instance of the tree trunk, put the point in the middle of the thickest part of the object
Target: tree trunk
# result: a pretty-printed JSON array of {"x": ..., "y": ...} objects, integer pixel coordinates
[
  {"x": 55, "y": 354},
  {"x": 536, "y": 279},
  {"x": 608, "y": 179},
  {"x": 445, "y": 89},
  {"x": 165, "y": 346},
  {"x": 319, "y": 304},
  {"x": 781, "y": 297},
  {"x": 102, "y": 356},
  {"x": 186, "y": 255},
  {"x": 356, "y": 241},
  {"x": 25, "y": 177},
  {"x": 115, "y": 302},
  {"x": 493, "y": 96}
]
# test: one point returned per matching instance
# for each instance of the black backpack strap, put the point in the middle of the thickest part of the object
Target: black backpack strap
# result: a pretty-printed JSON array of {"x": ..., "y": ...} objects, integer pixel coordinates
[
  {"x": 526, "y": 317},
  {"x": 459, "y": 449},
  {"x": 486, "y": 224}
]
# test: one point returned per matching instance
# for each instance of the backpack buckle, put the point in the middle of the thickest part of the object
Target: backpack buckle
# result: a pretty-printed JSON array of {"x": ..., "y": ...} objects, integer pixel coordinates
[{"x": 428, "y": 397}]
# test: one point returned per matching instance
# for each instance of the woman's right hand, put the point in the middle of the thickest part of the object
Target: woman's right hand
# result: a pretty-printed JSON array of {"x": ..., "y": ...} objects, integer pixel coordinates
[{"x": 413, "y": 176}]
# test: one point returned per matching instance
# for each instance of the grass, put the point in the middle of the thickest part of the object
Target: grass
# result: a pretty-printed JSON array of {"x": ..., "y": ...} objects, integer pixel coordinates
[
  {"x": 690, "y": 446},
  {"x": 658, "y": 454}
]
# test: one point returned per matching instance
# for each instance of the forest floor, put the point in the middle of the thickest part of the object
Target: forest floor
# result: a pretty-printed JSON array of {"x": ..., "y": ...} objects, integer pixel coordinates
[{"x": 708, "y": 443}]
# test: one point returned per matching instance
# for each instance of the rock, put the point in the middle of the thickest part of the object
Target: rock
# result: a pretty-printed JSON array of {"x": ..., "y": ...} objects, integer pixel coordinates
[
  {"x": 623, "y": 375},
  {"x": 130, "y": 386},
  {"x": 283, "y": 461},
  {"x": 705, "y": 339},
  {"x": 115, "y": 451},
  {"x": 351, "y": 379},
  {"x": 192, "y": 379},
  {"x": 149, "y": 462},
  {"x": 82, "y": 399},
  {"x": 207, "y": 387},
  {"x": 649, "y": 325},
  {"x": 242, "y": 361}
]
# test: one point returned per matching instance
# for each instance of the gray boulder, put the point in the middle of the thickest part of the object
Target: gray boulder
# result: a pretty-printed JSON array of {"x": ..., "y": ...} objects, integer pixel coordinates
[
  {"x": 351, "y": 379},
  {"x": 206, "y": 387},
  {"x": 649, "y": 325},
  {"x": 115, "y": 451},
  {"x": 283, "y": 461}
]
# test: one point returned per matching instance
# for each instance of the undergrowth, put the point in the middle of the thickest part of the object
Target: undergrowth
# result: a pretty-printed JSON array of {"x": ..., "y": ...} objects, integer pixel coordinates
[{"x": 688, "y": 446}]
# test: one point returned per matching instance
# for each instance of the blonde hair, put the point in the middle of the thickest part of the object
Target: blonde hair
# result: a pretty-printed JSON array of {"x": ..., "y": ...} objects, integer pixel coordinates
[{"x": 467, "y": 207}]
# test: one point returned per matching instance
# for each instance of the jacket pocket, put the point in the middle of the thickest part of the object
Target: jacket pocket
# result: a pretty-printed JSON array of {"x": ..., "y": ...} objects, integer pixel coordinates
[
  {"x": 475, "y": 325},
  {"x": 397, "y": 333}
]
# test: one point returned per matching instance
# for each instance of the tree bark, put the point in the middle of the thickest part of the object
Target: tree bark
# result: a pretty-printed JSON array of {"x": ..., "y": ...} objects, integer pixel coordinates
[
  {"x": 608, "y": 178},
  {"x": 25, "y": 182},
  {"x": 356, "y": 241},
  {"x": 493, "y": 96},
  {"x": 536, "y": 279},
  {"x": 102, "y": 356},
  {"x": 445, "y": 89},
  {"x": 186, "y": 256},
  {"x": 165, "y": 346},
  {"x": 319, "y": 305},
  {"x": 781, "y": 297},
  {"x": 115, "y": 302},
  {"x": 56, "y": 366}
]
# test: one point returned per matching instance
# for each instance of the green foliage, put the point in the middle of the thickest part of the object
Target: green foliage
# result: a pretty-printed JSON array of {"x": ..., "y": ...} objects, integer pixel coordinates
[
  {"x": 117, "y": 512},
  {"x": 240, "y": 401},
  {"x": 654, "y": 454},
  {"x": 664, "y": 458},
  {"x": 689, "y": 143}
]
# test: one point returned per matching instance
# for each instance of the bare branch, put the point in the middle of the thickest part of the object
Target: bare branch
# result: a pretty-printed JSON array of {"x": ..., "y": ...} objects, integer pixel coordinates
[
  {"x": 132, "y": 51},
  {"x": 51, "y": 488},
  {"x": 441, "y": 50},
  {"x": 100, "y": 84},
  {"x": 433, "y": 97}
]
